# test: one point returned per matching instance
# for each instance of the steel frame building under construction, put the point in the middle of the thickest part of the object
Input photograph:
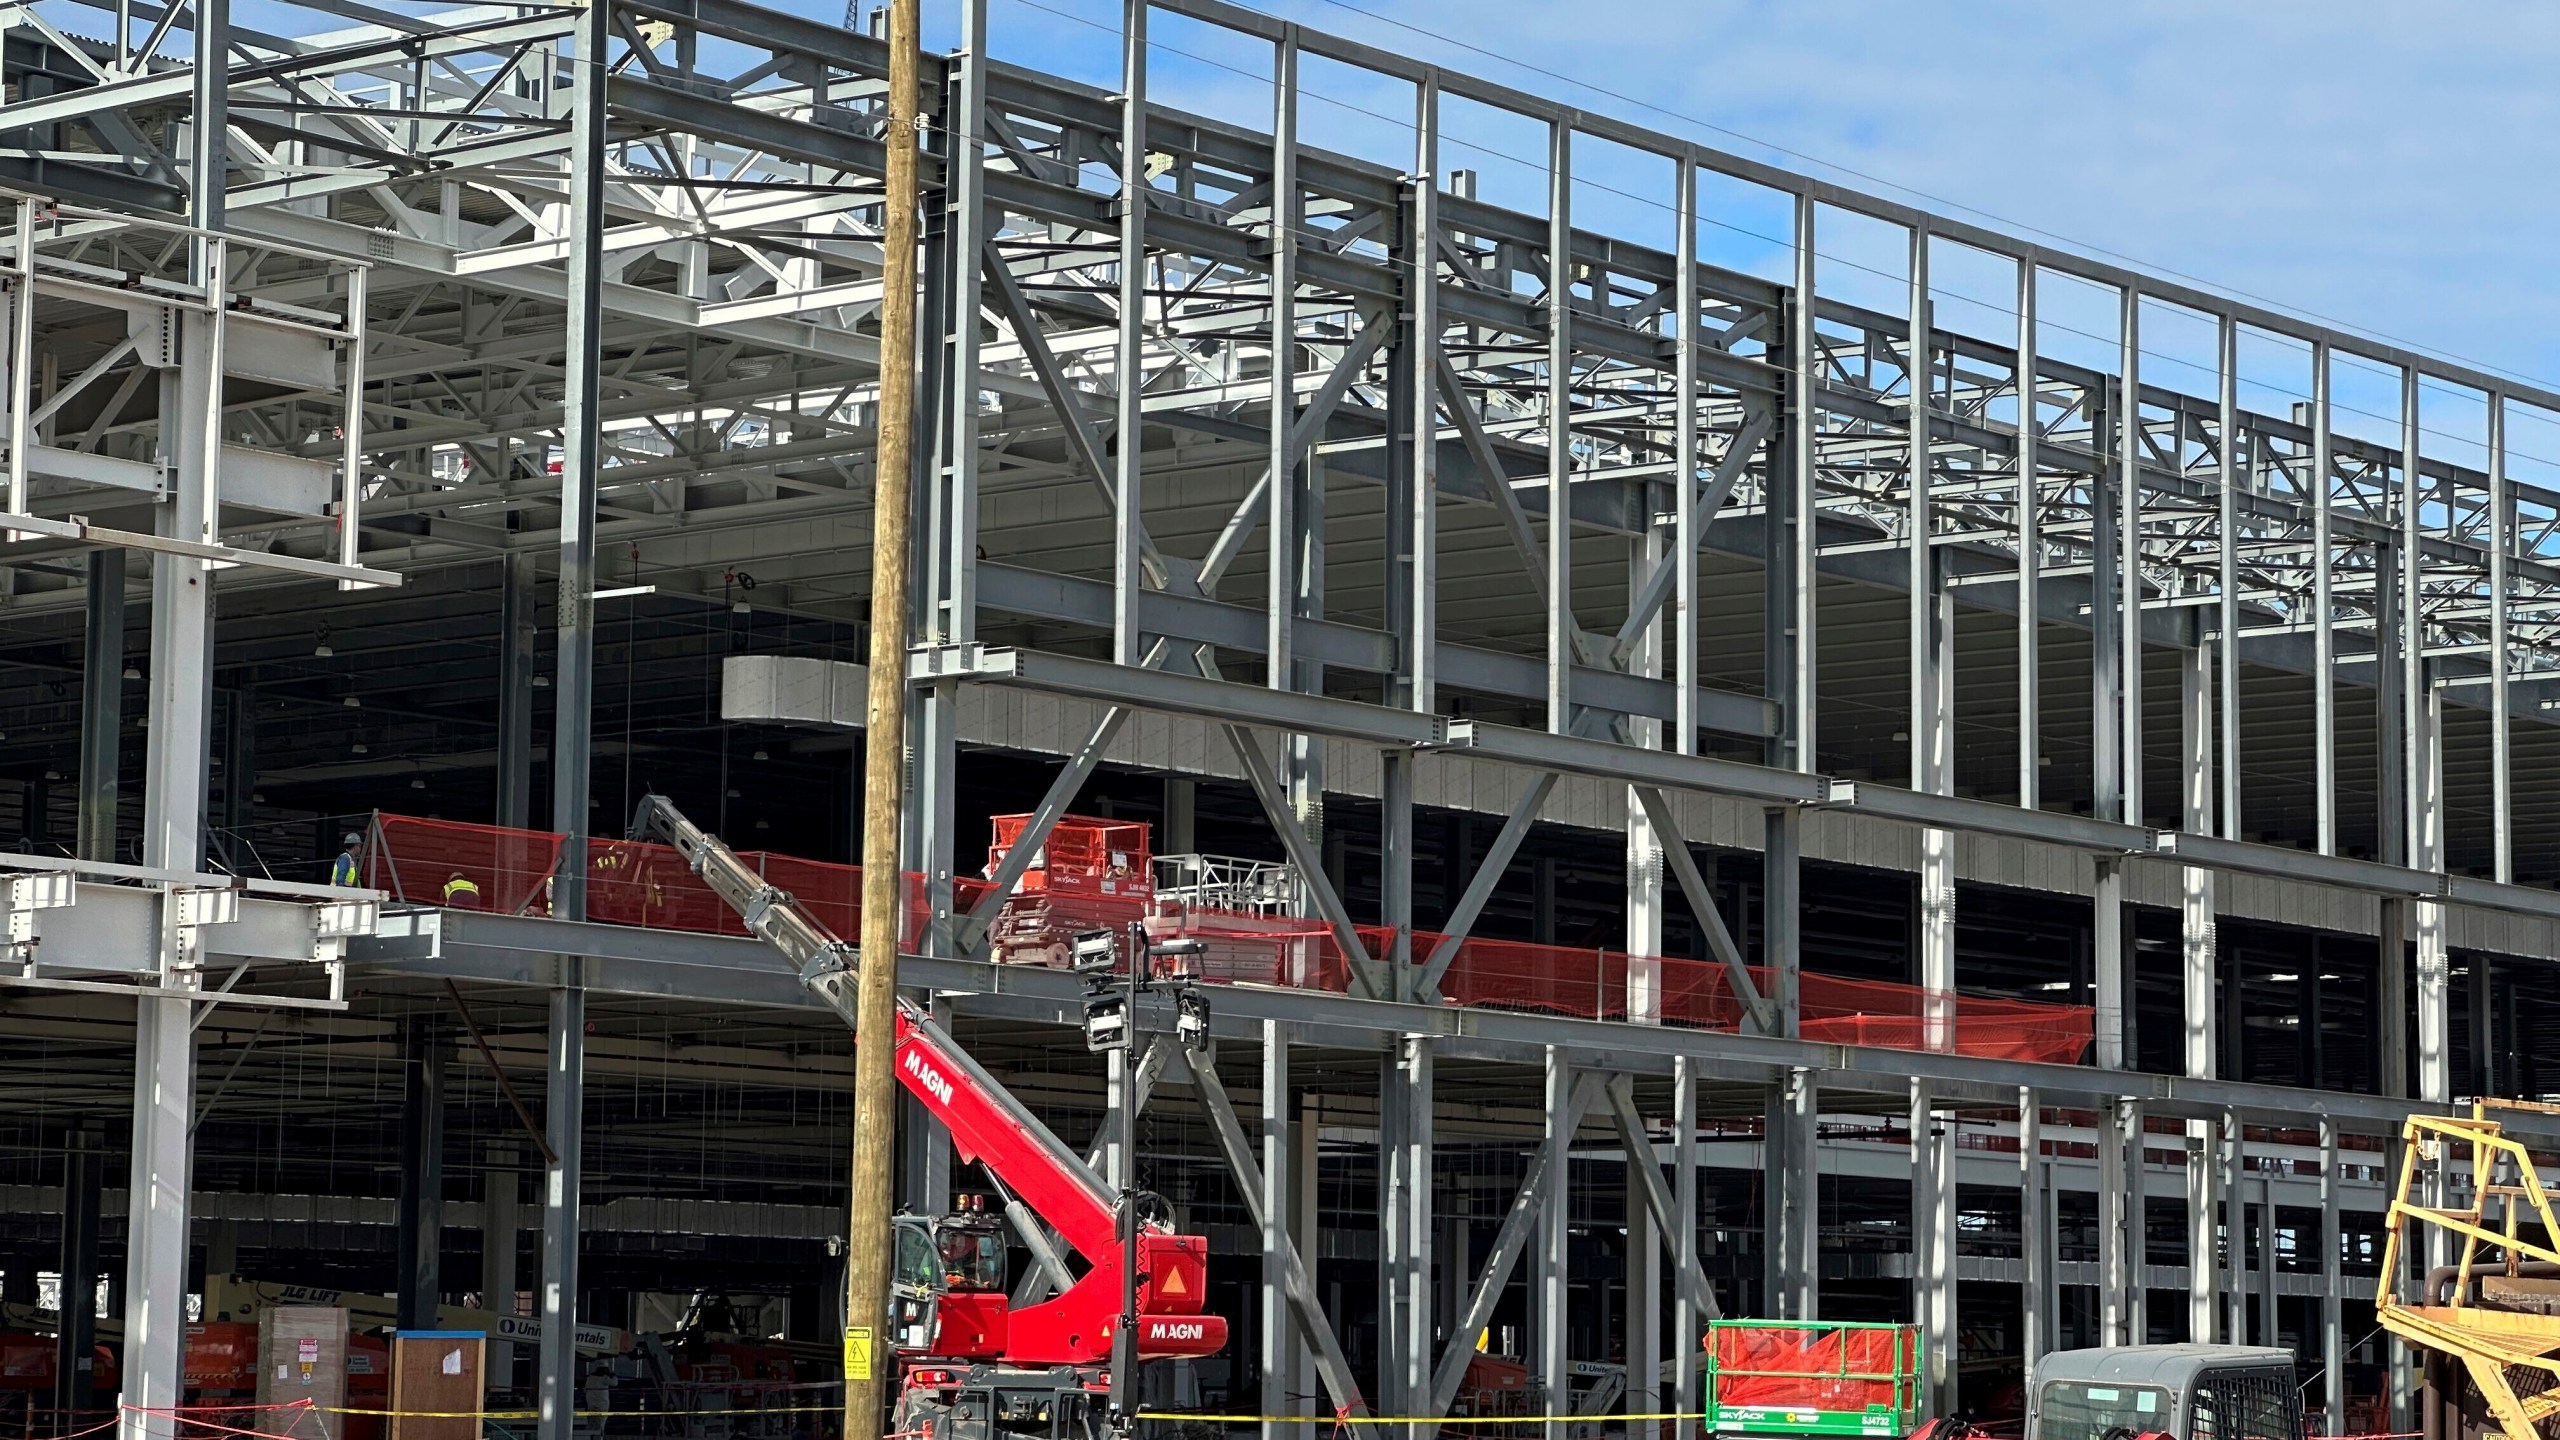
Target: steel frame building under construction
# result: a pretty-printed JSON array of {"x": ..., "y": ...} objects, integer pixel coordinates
[{"x": 1739, "y": 566}]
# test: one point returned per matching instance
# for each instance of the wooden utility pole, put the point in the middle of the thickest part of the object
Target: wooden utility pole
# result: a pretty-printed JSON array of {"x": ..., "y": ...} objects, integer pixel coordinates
[{"x": 875, "y": 1086}]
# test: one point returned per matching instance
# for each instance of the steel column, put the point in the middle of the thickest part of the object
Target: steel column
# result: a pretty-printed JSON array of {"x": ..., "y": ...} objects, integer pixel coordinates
[
  {"x": 1797, "y": 585},
  {"x": 2227, "y": 530},
  {"x": 1282, "y": 577},
  {"x": 1279, "y": 1332},
  {"x": 1933, "y": 1248},
  {"x": 500, "y": 1230},
  {"x": 1643, "y": 935},
  {"x": 102, "y": 704},
  {"x": 178, "y": 710},
  {"x": 84, "y": 1168},
  {"x": 2118, "y": 1174},
  {"x": 2030, "y": 550},
  {"x": 1793, "y": 1173},
  {"x": 2324, "y": 639},
  {"x": 1932, "y": 663},
  {"x": 564, "y": 1128},
  {"x": 2199, "y": 954},
  {"x": 2129, "y": 556},
  {"x": 1554, "y": 1302},
  {"x": 1417, "y": 671},
  {"x": 518, "y": 622},
  {"x": 2333, "y": 1335},
  {"x": 2108, "y": 949},
  {"x": 1561, "y": 629},
  {"x": 1685, "y": 519},
  {"x": 1127, "y": 440},
  {"x": 1405, "y": 1365},
  {"x": 421, "y": 1178},
  {"x": 2502, "y": 531},
  {"x": 1687, "y": 1325},
  {"x": 944, "y": 609},
  {"x": 2036, "y": 1317},
  {"x": 582, "y": 458}
]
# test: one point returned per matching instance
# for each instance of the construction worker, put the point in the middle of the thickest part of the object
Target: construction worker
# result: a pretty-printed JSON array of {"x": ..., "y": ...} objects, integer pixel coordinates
[
  {"x": 461, "y": 892},
  {"x": 347, "y": 869}
]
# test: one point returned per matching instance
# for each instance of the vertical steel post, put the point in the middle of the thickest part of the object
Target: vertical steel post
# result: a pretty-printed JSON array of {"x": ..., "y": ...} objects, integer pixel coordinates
[
  {"x": 1419, "y": 674},
  {"x": 1803, "y": 538},
  {"x": 2422, "y": 768},
  {"x": 2324, "y": 639},
  {"x": 1554, "y": 1293},
  {"x": 2199, "y": 955},
  {"x": 1279, "y": 1329},
  {"x": 1280, "y": 645},
  {"x": 1686, "y": 1323},
  {"x": 1932, "y": 664},
  {"x": 2227, "y": 367},
  {"x": 421, "y": 1177},
  {"x": 946, "y": 607},
  {"x": 2117, "y": 1260},
  {"x": 2235, "y": 1229},
  {"x": 1644, "y": 911},
  {"x": 500, "y": 1230},
  {"x": 1128, "y": 493},
  {"x": 1640, "y": 1272},
  {"x": 2502, "y": 522},
  {"x": 102, "y": 704},
  {"x": 517, "y": 621},
  {"x": 564, "y": 1131},
  {"x": 1933, "y": 1269},
  {"x": 1794, "y": 1173},
  {"x": 2030, "y": 551},
  {"x": 581, "y": 465},
  {"x": 1685, "y": 520},
  {"x": 2035, "y": 1255},
  {"x": 2129, "y": 555},
  {"x": 75, "y": 1356},
  {"x": 2333, "y": 1338},
  {"x": 177, "y": 761},
  {"x": 1560, "y": 279}
]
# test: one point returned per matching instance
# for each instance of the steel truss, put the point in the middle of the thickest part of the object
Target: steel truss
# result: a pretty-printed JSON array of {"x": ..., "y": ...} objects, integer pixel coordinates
[{"x": 1224, "y": 424}]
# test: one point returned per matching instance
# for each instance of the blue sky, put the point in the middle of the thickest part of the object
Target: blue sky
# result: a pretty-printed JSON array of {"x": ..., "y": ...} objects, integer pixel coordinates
[{"x": 2378, "y": 165}]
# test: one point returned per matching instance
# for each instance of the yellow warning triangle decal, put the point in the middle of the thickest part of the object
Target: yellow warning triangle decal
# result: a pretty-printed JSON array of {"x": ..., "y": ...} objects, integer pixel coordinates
[{"x": 1172, "y": 1282}]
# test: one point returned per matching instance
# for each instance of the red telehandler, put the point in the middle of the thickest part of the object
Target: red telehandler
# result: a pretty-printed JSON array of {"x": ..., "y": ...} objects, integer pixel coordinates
[{"x": 971, "y": 1366}]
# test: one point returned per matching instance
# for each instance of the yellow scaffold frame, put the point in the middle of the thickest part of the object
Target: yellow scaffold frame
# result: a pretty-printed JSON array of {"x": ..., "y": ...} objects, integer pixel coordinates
[{"x": 2493, "y": 1345}]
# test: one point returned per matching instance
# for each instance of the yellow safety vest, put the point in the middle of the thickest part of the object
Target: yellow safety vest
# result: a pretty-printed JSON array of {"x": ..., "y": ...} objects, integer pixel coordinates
[{"x": 460, "y": 885}]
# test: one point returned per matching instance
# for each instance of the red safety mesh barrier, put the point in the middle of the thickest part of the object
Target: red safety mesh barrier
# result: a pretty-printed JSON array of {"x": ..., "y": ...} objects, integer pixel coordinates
[
  {"x": 1824, "y": 1368},
  {"x": 629, "y": 882},
  {"x": 632, "y": 883},
  {"x": 1083, "y": 856},
  {"x": 413, "y": 859}
]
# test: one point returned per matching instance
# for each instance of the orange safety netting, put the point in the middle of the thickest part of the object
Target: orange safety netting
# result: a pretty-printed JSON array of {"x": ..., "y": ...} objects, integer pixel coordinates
[
  {"x": 629, "y": 882},
  {"x": 1814, "y": 1368},
  {"x": 1089, "y": 879}
]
